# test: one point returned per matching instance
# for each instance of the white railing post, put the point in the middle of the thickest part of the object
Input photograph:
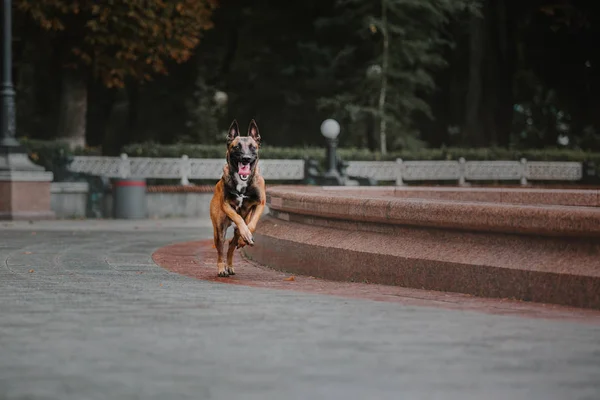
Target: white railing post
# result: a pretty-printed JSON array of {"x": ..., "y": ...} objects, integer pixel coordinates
[
  {"x": 399, "y": 181},
  {"x": 124, "y": 167},
  {"x": 185, "y": 170},
  {"x": 523, "y": 172},
  {"x": 461, "y": 171}
]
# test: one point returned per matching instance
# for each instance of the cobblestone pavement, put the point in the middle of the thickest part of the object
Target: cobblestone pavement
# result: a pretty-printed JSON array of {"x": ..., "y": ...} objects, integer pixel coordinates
[{"x": 86, "y": 314}]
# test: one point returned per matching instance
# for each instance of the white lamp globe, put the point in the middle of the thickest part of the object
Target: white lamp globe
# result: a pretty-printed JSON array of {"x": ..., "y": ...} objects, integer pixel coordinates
[
  {"x": 373, "y": 72},
  {"x": 221, "y": 98},
  {"x": 330, "y": 128},
  {"x": 563, "y": 140}
]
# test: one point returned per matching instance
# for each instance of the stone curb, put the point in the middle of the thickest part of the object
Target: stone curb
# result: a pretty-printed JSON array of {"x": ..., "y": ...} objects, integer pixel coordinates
[
  {"x": 538, "y": 269},
  {"x": 198, "y": 260}
]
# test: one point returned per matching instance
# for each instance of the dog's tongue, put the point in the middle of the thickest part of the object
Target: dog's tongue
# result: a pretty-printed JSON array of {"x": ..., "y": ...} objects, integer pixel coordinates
[{"x": 244, "y": 170}]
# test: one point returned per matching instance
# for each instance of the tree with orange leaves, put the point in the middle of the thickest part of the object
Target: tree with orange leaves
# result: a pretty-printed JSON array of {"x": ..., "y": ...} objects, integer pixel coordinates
[{"x": 114, "y": 41}]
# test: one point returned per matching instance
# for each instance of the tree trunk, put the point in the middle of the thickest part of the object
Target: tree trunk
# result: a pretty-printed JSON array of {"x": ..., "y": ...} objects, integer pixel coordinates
[
  {"x": 489, "y": 106},
  {"x": 384, "y": 72},
  {"x": 370, "y": 132},
  {"x": 117, "y": 124},
  {"x": 491, "y": 80},
  {"x": 133, "y": 96},
  {"x": 73, "y": 108},
  {"x": 504, "y": 72},
  {"x": 473, "y": 132}
]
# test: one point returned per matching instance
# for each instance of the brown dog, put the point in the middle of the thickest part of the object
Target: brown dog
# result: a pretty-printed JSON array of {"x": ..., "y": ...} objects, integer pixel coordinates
[{"x": 239, "y": 196}]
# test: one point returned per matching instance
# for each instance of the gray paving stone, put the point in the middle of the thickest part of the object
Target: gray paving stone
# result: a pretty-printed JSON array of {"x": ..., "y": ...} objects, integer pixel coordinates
[{"x": 85, "y": 325}]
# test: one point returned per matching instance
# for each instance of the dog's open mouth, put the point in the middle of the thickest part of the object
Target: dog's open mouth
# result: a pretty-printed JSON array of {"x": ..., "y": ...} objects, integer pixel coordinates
[{"x": 243, "y": 171}]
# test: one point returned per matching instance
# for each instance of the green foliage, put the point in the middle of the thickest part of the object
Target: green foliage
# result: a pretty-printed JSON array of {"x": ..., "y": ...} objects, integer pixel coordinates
[
  {"x": 217, "y": 151},
  {"x": 256, "y": 55},
  {"x": 204, "y": 112},
  {"x": 416, "y": 33},
  {"x": 316, "y": 65},
  {"x": 354, "y": 154},
  {"x": 52, "y": 155}
]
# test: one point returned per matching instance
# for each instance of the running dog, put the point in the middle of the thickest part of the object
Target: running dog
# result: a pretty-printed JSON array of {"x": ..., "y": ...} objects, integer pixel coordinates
[{"x": 239, "y": 196}]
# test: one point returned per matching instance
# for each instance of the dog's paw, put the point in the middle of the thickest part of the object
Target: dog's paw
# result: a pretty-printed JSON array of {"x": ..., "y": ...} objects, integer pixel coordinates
[
  {"x": 230, "y": 270},
  {"x": 247, "y": 237},
  {"x": 223, "y": 271}
]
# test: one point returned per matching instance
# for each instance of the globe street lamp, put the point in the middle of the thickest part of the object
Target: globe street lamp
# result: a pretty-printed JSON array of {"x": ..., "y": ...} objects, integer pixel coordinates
[
  {"x": 330, "y": 129},
  {"x": 374, "y": 72},
  {"x": 220, "y": 98}
]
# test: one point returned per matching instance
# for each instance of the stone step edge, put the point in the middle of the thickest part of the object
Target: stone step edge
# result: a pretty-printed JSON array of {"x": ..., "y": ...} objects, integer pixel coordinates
[{"x": 277, "y": 248}]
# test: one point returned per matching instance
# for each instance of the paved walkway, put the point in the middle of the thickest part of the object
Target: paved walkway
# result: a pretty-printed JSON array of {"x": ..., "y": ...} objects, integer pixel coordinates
[{"x": 86, "y": 314}]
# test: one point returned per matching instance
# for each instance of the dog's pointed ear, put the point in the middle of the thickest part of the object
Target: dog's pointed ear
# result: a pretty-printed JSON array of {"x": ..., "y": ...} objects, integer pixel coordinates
[
  {"x": 253, "y": 131},
  {"x": 234, "y": 131}
]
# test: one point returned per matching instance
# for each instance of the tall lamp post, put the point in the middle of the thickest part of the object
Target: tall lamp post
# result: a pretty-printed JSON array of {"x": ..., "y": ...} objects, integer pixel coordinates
[
  {"x": 12, "y": 154},
  {"x": 24, "y": 186},
  {"x": 7, "y": 113},
  {"x": 330, "y": 129}
]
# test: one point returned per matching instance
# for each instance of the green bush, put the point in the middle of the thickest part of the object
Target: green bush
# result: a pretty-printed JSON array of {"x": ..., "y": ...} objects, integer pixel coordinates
[
  {"x": 354, "y": 154},
  {"x": 216, "y": 151},
  {"x": 52, "y": 154}
]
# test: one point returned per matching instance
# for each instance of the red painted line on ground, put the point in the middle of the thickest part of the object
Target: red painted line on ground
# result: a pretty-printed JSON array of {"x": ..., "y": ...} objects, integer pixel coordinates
[{"x": 198, "y": 260}]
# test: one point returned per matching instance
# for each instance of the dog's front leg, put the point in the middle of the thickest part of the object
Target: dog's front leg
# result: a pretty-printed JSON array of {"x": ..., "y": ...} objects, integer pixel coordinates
[
  {"x": 219, "y": 233},
  {"x": 252, "y": 220},
  {"x": 233, "y": 244},
  {"x": 260, "y": 207},
  {"x": 237, "y": 219},
  {"x": 247, "y": 219}
]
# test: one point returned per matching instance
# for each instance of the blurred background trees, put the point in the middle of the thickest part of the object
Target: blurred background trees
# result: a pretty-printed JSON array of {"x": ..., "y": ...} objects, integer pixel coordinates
[
  {"x": 115, "y": 43},
  {"x": 397, "y": 74}
]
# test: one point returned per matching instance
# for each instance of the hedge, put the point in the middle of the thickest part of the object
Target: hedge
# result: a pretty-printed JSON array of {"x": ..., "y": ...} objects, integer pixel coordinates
[
  {"x": 353, "y": 154},
  {"x": 49, "y": 153}
]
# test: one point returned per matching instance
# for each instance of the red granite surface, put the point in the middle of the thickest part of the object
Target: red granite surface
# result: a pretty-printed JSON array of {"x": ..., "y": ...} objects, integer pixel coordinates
[
  {"x": 546, "y": 249},
  {"x": 25, "y": 200},
  {"x": 548, "y": 270},
  {"x": 198, "y": 260},
  {"x": 377, "y": 205},
  {"x": 525, "y": 196},
  {"x": 509, "y": 195}
]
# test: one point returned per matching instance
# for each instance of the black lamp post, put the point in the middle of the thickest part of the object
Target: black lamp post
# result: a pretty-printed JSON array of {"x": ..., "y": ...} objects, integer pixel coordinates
[
  {"x": 8, "y": 142},
  {"x": 13, "y": 156},
  {"x": 17, "y": 172},
  {"x": 330, "y": 129}
]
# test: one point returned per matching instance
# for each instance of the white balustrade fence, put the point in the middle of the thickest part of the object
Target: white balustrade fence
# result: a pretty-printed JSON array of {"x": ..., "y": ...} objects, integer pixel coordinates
[
  {"x": 183, "y": 168},
  {"x": 461, "y": 171}
]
